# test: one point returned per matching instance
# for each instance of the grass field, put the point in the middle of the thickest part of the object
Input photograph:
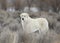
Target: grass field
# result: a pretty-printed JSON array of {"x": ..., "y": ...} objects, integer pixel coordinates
[{"x": 11, "y": 30}]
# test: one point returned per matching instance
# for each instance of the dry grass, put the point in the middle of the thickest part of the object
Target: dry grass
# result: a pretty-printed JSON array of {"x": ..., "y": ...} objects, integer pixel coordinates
[{"x": 11, "y": 29}]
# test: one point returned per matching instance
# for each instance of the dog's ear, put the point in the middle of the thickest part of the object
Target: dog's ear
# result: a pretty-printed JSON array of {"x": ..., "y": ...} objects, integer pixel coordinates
[{"x": 20, "y": 15}]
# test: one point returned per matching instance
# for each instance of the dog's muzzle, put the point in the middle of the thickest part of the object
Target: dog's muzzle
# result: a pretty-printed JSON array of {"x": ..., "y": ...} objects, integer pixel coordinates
[{"x": 22, "y": 18}]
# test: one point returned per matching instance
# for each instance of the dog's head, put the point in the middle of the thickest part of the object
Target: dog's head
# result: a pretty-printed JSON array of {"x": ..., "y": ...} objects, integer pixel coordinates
[{"x": 24, "y": 16}]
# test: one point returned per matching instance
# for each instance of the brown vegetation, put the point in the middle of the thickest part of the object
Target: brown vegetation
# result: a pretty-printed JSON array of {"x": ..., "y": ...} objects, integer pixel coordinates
[
  {"x": 11, "y": 29},
  {"x": 44, "y": 5}
]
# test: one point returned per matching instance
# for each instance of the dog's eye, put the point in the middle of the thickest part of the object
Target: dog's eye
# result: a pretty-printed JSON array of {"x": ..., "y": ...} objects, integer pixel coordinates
[{"x": 24, "y": 16}]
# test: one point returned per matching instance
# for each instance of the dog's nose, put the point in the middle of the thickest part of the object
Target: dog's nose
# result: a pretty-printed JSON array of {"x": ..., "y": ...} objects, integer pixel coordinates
[{"x": 22, "y": 18}]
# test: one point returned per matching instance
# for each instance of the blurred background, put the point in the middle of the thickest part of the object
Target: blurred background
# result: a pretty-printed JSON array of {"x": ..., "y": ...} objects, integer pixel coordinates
[
  {"x": 42, "y": 5},
  {"x": 10, "y": 24}
]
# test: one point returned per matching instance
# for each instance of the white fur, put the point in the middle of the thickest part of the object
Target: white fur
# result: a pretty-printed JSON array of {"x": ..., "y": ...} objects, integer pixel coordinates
[{"x": 31, "y": 25}]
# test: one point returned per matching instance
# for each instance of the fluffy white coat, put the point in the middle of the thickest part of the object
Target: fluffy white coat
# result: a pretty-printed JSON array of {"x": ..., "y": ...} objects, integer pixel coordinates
[{"x": 31, "y": 25}]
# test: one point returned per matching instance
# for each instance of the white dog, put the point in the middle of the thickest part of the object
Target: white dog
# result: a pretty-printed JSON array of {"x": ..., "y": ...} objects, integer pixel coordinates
[{"x": 34, "y": 25}]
